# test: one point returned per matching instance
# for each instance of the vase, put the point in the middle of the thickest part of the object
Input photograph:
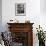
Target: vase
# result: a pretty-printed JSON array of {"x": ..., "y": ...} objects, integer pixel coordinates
[{"x": 41, "y": 43}]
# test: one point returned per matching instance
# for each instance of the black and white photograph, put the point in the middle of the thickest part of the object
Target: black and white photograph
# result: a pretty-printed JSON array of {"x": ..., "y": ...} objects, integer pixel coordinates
[{"x": 20, "y": 9}]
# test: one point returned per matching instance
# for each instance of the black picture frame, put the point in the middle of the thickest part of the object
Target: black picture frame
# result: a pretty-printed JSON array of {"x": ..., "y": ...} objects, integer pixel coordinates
[{"x": 20, "y": 9}]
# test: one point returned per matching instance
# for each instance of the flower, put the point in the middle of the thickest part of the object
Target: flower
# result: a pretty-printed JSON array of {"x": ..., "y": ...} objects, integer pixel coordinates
[{"x": 40, "y": 33}]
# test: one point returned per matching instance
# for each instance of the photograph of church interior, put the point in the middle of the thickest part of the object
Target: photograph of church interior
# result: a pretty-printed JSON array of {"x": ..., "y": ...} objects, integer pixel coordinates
[{"x": 22, "y": 23}]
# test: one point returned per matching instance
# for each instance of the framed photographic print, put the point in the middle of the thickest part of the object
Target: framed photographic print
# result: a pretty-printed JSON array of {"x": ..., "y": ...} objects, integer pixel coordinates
[{"x": 20, "y": 9}]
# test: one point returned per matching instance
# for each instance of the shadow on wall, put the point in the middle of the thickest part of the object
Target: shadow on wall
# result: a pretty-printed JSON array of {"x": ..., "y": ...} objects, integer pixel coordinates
[
  {"x": 43, "y": 6},
  {"x": 0, "y": 15}
]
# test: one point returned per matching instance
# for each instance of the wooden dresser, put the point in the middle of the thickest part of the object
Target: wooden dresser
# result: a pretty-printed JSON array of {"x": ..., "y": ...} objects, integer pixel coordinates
[{"x": 22, "y": 33}]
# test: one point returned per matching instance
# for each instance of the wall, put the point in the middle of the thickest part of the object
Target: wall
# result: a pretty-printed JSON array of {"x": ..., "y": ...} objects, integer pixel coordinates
[
  {"x": 33, "y": 13},
  {"x": 43, "y": 14},
  {"x": 0, "y": 15},
  {"x": 43, "y": 6}
]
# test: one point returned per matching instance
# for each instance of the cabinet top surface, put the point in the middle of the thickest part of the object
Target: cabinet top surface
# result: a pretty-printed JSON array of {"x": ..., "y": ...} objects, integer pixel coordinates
[{"x": 19, "y": 23}]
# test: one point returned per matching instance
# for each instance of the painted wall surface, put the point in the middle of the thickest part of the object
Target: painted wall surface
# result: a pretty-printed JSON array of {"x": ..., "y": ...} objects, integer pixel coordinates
[
  {"x": 43, "y": 6},
  {"x": 33, "y": 13},
  {"x": 0, "y": 15}
]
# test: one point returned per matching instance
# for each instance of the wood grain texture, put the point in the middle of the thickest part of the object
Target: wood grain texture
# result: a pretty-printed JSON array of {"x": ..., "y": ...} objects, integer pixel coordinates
[{"x": 23, "y": 27}]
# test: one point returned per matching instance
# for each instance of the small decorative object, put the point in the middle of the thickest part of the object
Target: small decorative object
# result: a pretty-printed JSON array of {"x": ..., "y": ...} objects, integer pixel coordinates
[
  {"x": 16, "y": 20},
  {"x": 27, "y": 21},
  {"x": 41, "y": 36},
  {"x": 13, "y": 21},
  {"x": 20, "y": 9}
]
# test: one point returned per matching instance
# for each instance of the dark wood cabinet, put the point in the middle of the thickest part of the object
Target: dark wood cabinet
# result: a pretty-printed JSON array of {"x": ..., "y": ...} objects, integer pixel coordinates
[{"x": 22, "y": 33}]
